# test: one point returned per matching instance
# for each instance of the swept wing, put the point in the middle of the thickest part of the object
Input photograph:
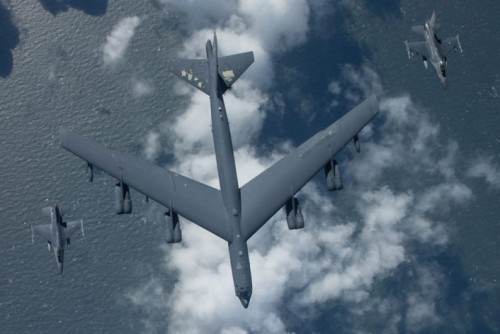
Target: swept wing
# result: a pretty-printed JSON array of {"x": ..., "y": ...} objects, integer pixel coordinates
[
  {"x": 417, "y": 48},
  {"x": 193, "y": 200},
  {"x": 263, "y": 196}
]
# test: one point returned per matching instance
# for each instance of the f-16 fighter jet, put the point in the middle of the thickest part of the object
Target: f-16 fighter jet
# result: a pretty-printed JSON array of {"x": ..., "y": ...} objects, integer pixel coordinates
[
  {"x": 56, "y": 233},
  {"x": 233, "y": 213},
  {"x": 433, "y": 49}
]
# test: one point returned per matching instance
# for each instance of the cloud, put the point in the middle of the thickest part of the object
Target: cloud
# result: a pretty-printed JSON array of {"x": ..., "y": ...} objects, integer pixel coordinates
[
  {"x": 354, "y": 85},
  {"x": 141, "y": 88},
  {"x": 119, "y": 39},
  {"x": 396, "y": 192},
  {"x": 484, "y": 168}
]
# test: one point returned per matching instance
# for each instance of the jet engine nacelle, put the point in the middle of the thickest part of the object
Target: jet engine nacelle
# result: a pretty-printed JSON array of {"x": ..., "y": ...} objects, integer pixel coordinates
[
  {"x": 174, "y": 233},
  {"x": 123, "y": 202},
  {"x": 90, "y": 171},
  {"x": 332, "y": 175},
  {"x": 357, "y": 146},
  {"x": 294, "y": 217}
]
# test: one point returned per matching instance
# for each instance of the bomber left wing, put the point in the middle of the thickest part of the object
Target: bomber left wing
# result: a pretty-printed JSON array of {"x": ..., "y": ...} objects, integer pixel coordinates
[
  {"x": 263, "y": 196},
  {"x": 193, "y": 200}
]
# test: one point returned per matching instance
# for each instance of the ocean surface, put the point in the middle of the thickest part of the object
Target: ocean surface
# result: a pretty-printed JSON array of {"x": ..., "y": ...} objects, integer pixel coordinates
[{"x": 52, "y": 76}]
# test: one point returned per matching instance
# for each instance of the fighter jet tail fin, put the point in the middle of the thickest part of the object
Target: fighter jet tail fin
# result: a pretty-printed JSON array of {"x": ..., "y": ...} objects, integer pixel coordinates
[
  {"x": 233, "y": 66},
  {"x": 418, "y": 29}
]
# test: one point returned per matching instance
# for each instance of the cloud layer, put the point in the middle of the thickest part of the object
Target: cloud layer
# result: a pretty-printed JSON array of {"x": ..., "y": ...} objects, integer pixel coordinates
[
  {"x": 119, "y": 39},
  {"x": 397, "y": 192}
]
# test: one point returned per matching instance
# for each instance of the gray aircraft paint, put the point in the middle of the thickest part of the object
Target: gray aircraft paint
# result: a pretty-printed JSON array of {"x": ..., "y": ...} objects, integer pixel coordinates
[
  {"x": 57, "y": 233},
  {"x": 433, "y": 49},
  {"x": 233, "y": 213}
]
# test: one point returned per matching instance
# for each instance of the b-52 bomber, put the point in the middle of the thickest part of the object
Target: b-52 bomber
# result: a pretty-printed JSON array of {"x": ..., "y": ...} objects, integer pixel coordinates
[
  {"x": 233, "y": 213},
  {"x": 433, "y": 49},
  {"x": 57, "y": 233}
]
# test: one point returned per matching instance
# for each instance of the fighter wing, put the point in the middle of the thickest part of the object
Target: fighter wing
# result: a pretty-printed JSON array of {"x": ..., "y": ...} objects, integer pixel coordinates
[
  {"x": 263, "y": 196},
  {"x": 72, "y": 227},
  {"x": 450, "y": 44},
  {"x": 193, "y": 200},
  {"x": 416, "y": 48},
  {"x": 43, "y": 231}
]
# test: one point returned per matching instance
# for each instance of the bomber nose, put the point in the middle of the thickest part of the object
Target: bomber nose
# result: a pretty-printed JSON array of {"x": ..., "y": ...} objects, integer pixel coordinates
[
  {"x": 244, "y": 295},
  {"x": 244, "y": 302}
]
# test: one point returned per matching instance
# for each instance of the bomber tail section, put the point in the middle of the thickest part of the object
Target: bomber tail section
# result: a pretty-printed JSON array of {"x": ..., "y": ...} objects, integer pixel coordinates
[
  {"x": 232, "y": 67},
  {"x": 195, "y": 71}
]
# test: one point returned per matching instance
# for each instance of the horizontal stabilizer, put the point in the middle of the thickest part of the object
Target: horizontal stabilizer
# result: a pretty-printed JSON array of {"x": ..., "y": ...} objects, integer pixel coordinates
[
  {"x": 72, "y": 227},
  {"x": 47, "y": 211},
  {"x": 418, "y": 29},
  {"x": 232, "y": 67},
  {"x": 43, "y": 231},
  {"x": 193, "y": 71}
]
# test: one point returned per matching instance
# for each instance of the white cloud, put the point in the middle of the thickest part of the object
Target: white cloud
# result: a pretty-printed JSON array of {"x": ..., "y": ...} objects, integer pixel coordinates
[
  {"x": 119, "y": 39},
  {"x": 141, "y": 88},
  {"x": 370, "y": 231},
  {"x": 484, "y": 168},
  {"x": 152, "y": 145},
  {"x": 357, "y": 85}
]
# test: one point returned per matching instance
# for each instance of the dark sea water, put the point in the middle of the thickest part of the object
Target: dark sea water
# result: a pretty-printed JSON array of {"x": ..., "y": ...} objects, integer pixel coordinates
[
  {"x": 468, "y": 112},
  {"x": 58, "y": 79},
  {"x": 52, "y": 75}
]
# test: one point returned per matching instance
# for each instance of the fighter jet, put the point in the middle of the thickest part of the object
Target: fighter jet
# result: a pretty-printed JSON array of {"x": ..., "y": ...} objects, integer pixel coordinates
[
  {"x": 56, "y": 233},
  {"x": 433, "y": 49},
  {"x": 233, "y": 213}
]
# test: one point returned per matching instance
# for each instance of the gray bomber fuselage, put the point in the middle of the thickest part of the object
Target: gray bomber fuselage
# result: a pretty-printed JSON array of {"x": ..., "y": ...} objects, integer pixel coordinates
[{"x": 238, "y": 250}]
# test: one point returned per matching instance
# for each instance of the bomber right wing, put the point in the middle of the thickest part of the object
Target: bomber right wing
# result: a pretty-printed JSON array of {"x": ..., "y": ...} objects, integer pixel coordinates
[
  {"x": 263, "y": 196},
  {"x": 193, "y": 200}
]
